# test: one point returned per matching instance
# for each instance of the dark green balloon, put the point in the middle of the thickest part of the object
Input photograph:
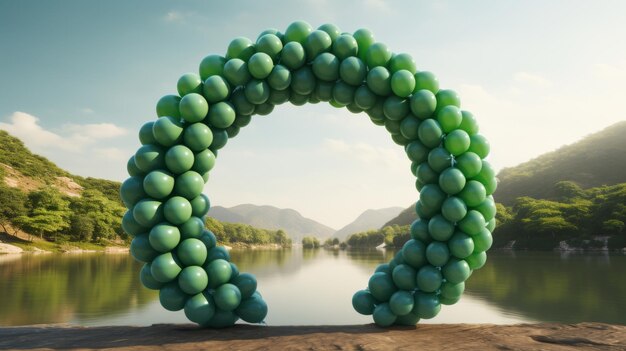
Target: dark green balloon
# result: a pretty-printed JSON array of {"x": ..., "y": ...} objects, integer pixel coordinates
[
  {"x": 260, "y": 65},
  {"x": 165, "y": 268},
  {"x": 326, "y": 67},
  {"x": 196, "y": 137},
  {"x": 263, "y": 109},
  {"x": 426, "y": 175},
  {"x": 147, "y": 279},
  {"x": 364, "y": 39},
  {"x": 416, "y": 151},
  {"x": 473, "y": 223},
  {"x": 468, "y": 123},
  {"x": 430, "y": 133},
  {"x": 204, "y": 161},
  {"x": 280, "y": 78},
  {"x": 395, "y": 108},
  {"x": 426, "y": 80},
  {"x": 363, "y": 302},
  {"x": 365, "y": 98},
  {"x": 222, "y": 319},
  {"x": 172, "y": 298},
  {"x": 191, "y": 252},
  {"x": 293, "y": 55},
  {"x": 414, "y": 250},
  {"x": 148, "y": 212},
  {"x": 246, "y": 283},
  {"x": 450, "y": 290},
  {"x": 164, "y": 237},
  {"x": 192, "y": 228},
  {"x": 452, "y": 181},
  {"x": 269, "y": 44},
  {"x": 343, "y": 93},
  {"x": 316, "y": 43},
  {"x": 303, "y": 81},
  {"x": 381, "y": 286},
  {"x": 453, "y": 209},
  {"x": 400, "y": 139},
  {"x": 241, "y": 48},
  {"x": 236, "y": 72},
  {"x": 476, "y": 260},
  {"x": 473, "y": 193},
  {"x": 392, "y": 126},
  {"x": 426, "y": 305},
  {"x": 353, "y": 71},
  {"x": 409, "y": 127},
  {"x": 407, "y": 320},
  {"x": 257, "y": 91},
  {"x": 379, "y": 81},
  {"x": 402, "y": 62},
  {"x": 177, "y": 210},
  {"x": 130, "y": 225},
  {"x": 141, "y": 250},
  {"x": 439, "y": 159},
  {"x": 298, "y": 99},
  {"x": 402, "y": 83},
  {"x": 209, "y": 240},
  {"x": 200, "y": 308},
  {"x": 403, "y": 276},
  {"x": 242, "y": 105},
  {"x": 298, "y": 31},
  {"x": 218, "y": 270},
  {"x": 132, "y": 168},
  {"x": 192, "y": 280},
  {"x": 215, "y": 89},
  {"x": 158, "y": 184},
  {"x": 220, "y": 138},
  {"x": 439, "y": 228},
  {"x": 179, "y": 158},
  {"x": 277, "y": 97},
  {"x": 479, "y": 145},
  {"x": 461, "y": 245},
  {"x": 227, "y": 297},
  {"x": 383, "y": 267},
  {"x": 212, "y": 65},
  {"x": 324, "y": 90},
  {"x": 401, "y": 303},
  {"x": 482, "y": 240},
  {"x": 456, "y": 271},
  {"x": 429, "y": 279},
  {"x": 167, "y": 131},
  {"x": 189, "y": 185},
  {"x": 432, "y": 196},
  {"x": 457, "y": 142},
  {"x": 252, "y": 310},
  {"x": 145, "y": 134},
  {"x": 383, "y": 316},
  {"x": 378, "y": 54},
  {"x": 423, "y": 104},
  {"x": 193, "y": 108},
  {"x": 242, "y": 121},
  {"x": 131, "y": 191},
  {"x": 345, "y": 46},
  {"x": 189, "y": 83},
  {"x": 437, "y": 253},
  {"x": 168, "y": 105},
  {"x": 469, "y": 163}
]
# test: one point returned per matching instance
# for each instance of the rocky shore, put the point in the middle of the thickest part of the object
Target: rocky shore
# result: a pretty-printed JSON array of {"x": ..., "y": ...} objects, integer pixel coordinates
[{"x": 584, "y": 336}]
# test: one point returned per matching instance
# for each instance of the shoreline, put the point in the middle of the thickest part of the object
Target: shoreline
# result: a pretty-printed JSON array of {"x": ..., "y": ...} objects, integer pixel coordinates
[{"x": 542, "y": 336}]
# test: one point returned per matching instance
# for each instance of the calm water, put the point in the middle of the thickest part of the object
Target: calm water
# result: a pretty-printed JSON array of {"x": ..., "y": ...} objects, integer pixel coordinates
[{"x": 314, "y": 287}]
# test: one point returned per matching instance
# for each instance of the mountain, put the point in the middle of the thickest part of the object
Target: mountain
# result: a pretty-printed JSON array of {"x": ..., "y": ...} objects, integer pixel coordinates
[
  {"x": 406, "y": 217},
  {"x": 368, "y": 220},
  {"x": 596, "y": 160},
  {"x": 269, "y": 217}
]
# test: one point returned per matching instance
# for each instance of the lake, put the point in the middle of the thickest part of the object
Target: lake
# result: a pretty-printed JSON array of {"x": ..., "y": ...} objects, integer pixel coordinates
[{"x": 314, "y": 287}]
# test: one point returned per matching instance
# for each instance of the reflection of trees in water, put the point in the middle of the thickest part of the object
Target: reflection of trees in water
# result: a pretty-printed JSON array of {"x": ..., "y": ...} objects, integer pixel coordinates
[
  {"x": 550, "y": 287},
  {"x": 369, "y": 258},
  {"x": 54, "y": 288},
  {"x": 268, "y": 262}
]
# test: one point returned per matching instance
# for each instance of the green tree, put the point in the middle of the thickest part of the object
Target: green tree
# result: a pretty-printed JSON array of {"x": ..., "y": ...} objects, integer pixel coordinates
[
  {"x": 309, "y": 242},
  {"x": 104, "y": 214},
  {"x": 48, "y": 213},
  {"x": 11, "y": 207}
]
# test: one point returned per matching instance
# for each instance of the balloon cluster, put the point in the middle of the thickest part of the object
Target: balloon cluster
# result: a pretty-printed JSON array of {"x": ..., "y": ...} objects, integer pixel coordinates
[{"x": 168, "y": 172}]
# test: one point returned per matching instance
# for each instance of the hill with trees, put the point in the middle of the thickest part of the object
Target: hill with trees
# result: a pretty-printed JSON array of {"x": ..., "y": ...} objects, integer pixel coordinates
[{"x": 368, "y": 220}]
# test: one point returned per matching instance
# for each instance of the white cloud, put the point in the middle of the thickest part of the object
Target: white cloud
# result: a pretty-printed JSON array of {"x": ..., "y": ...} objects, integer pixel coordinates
[{"x": 532, "y": 79}]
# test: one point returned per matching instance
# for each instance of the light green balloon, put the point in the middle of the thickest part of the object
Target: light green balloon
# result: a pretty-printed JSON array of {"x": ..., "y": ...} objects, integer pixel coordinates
[
  {"x": 449, "y": 118},
  {"x": 158, "y": 184},
  {"x": 219, "y": 272},
  {"x": 364, "y": 39},
  {"x": 177, "y": 210},
  {"x": 257, "y": 91},
  {"x": 479, "y": 145},
  {"x": 345, "y": 46},
  {"x": 402, "y": 62},
  {"x": 430, "y": 133},
  {"x": 241, "y": 48},
  {"x": 227, "y": 297},
  {"x": 269, "y": 44},
  {"x": 279, "y": 78},
  {"x": 148, "y": 212},
  {"x": 402, "y": 83},
  {"x": 425, "y": 80},
  {"x": 473, "y": 223},
  {"x": 461, "y": 245},
  {"x": 423, "y": 104},
  {"x": 452, "y": 181},
  {"x": 193, "y": 107},
  {"x": 326, "y": 66},
  {"x": 197, "y": 137},
  {"x": 317, "y": 42},
  {"x": 167, "y": 131},
  {"x": 131, "y": 191},
  {"x": 297, "y": 31},
  {"x": 204, "y": 161},
  {"x": 193, "y": 228},
  {"x": 457, "y": 142},
  {"x": 332, "y": 30},
  {"x": 293, "y": 55},
  {"x": 429, "y": 279},
  {"x": 482, "y": 241},
  {"x": 473, "y": 193},
  {"x": 189, "y": 83},
  {"x": 192, "y": 280},
  {"x": 212, "y": 65},
  {"x": 453, "y": 209},
  {"x": 164, "y": 237},
  {"x": 164, "y": 268},
  {"x": 189, "y": 185},
  {"x": 378, "y": 54},
  {"x": 469, "y": 163},
  {"x": 221, "y": 115},
  {"x": 487, "y": 208},
  {"x": 456, "y": 271},
  {"x": 179, "y": 158},
  {"x": 215, "y": 89},
  {"x": 168, "y": 106},
  {"x": 447, "y": 98},
  {"x": 469, "y": 123},
  {"x": 260, "y": 65},
  {"x": 236, "y": 72},
  {"x": 476, "y": 260},
  {"x": 379, "y": 81}
]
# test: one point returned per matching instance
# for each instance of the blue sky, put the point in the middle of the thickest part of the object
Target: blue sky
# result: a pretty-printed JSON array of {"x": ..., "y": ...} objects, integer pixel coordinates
[{"x": 78, "y": 78}]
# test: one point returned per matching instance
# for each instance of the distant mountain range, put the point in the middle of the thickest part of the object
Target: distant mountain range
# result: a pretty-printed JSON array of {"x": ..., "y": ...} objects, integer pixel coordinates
[
  {"x": 368, "y": 220},
  {"x": 270, "y": 217},
  {"x": 598, "y": 159}
]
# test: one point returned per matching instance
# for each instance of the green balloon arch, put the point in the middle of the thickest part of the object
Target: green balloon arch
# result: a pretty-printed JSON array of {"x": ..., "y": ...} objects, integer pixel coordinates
[{"x": 167, "y": 209}]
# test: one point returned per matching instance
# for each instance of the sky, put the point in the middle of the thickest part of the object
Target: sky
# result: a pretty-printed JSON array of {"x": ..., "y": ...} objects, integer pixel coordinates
[{"x": 78, "y": 79}]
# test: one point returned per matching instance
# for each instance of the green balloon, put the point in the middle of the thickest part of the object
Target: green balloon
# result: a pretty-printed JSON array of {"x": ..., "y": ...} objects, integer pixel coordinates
[
  {"x": 141, "y": 250},
  {"x": 364, "y": 39},
  {"x": 221, "y": 115},
  {"x": 167, "y": 131},
  {"x": 172, "y": 298},
  {"x": 145, "y": 134},
  {"x": 395, "y": 108},
  {"x": 447, "y": 98},
  {"x": 491, "y": 225},
  {"x": 242, "y": 105},
  {"x": 303, "y": 81},
  {"x": 487, "y": 176},
  {"x": 383, "y": 267},
  {"x": 257, "y": 91},
  {"x": 469, "y": 163},
  {"x": 293, "y": 55},
  {"x": 218, "y": 270},
  {"x": 131, "y": 191},
  {"x": 452, "y": 181},
  {"x": 383, "y": 316},
  {"x": 487, "y": 208},
  {"x": 353, "y": 71},
  {"x": 164, "y": 268},
  {"x": 456, "y": 271},
  {"x": 457, "y": 142},
  {"x": 148, "y": 212},
  {"x": 269, "y": 44},
  {"x": 316, "y": 43},
  {"x": 260, "y": 65},
  {"x": 345, "y": 46},
  {"x": 277, "y": 97},
  {"x": 193, "y": 108},
  {"x": 429, "y": 279},
  {"x": 204, "y": 161},
  {"x": 453, "y": 209},
  {"x": 409, "y": 127},
  {"x": 227, "y": 297},
  {"x": 402, "y": 83},
  {"x": 426, "y": 305},
  {"x": 473, "y": 193},
  {"x": 168, "y": 106},
  {"x": 430, "y": 133},
  {"x": 192, "y": 280},
  {"x": 273, "y": 31},
  {"x": 423, "y": 103},
  {"x": 280, "y": 78},
  {"x": 407, "y": 320},
  {"x": 298, "y": 31},
  {"x": 132, "y": 168},
  {"x": 365, "y": 98},
  {"x": 164, "y": 237},
  {"x": 439, "y": 228},
  {"x": 192, "y": 228},
  {"x": 252, "y": 310},
  {"x": 403, "y": 62},
  {"x": 416, "y": 151},
  {"x": 189, "y": 83},
  {"x": 241, "y": 48},
  {"x": 449, "y": 118},
  {"x": 130, "y": 225},
  {"x": 425, "y": 80},
  {"x": 363, "y": 302},
  {"x": 483, "y": 240},
  {"x": 236, "y": 72},
  {"x": 233, "y": 130},
  {"x": 147, "y": 279},
  {"x": 476, "y": 260},
  {"x": 191, "y": 252},
  {"x": 439, "y": 159},
  {"x": 209, "y": 240},
  {"x": 343, "y": 93},
  {"x": 379, "y": 81},
  {"x": 401, "y": 303},
  {"x": 326, "y": 67},
  {"x": 215, "y": 89},
  {"x": 246, "y": 283},
  {"x": 212, "y": 65},
  {"x": 426, "y": 175},
  {"x": 468, "y": 123},
  {"x": 403, "y": 277},
  {"x": 451, "y": 291},
  {"x": 479, "y": 145},
  {"x": 189, "y": 185},
  {"x": 378, "y": 54},
  {"x": 200, "y": 308},
  {"x": 332, "y": 30},
  {"x": 242, "y": 121},
  {"x": 461, "y": 245},
  {"x": 473, "y": 223},
  {"x": 179, "y": 158},
  {"x": 196, "y": 137},
  {"x": 414, "y": 250},
  {"x": 381, "y": 286},
  {"x": 235, "y": 273},
  {"x": 299, "y": 99},
  {"x": 437, "y": 253},
  {"x": 392, "y": 126},
  {"x": 158, "y": 184},
  {"x": 432, "y": 196},
  {"x": 177, "y": 210},
  {"x": 222, "y": 319}
]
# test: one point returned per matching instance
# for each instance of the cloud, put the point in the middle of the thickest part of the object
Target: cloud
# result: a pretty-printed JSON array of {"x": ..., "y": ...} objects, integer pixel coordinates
[
  {"x": 532, "y": 79},
  {"x": 365, "y": 153},
  {"x": 174, "y": 16}
]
